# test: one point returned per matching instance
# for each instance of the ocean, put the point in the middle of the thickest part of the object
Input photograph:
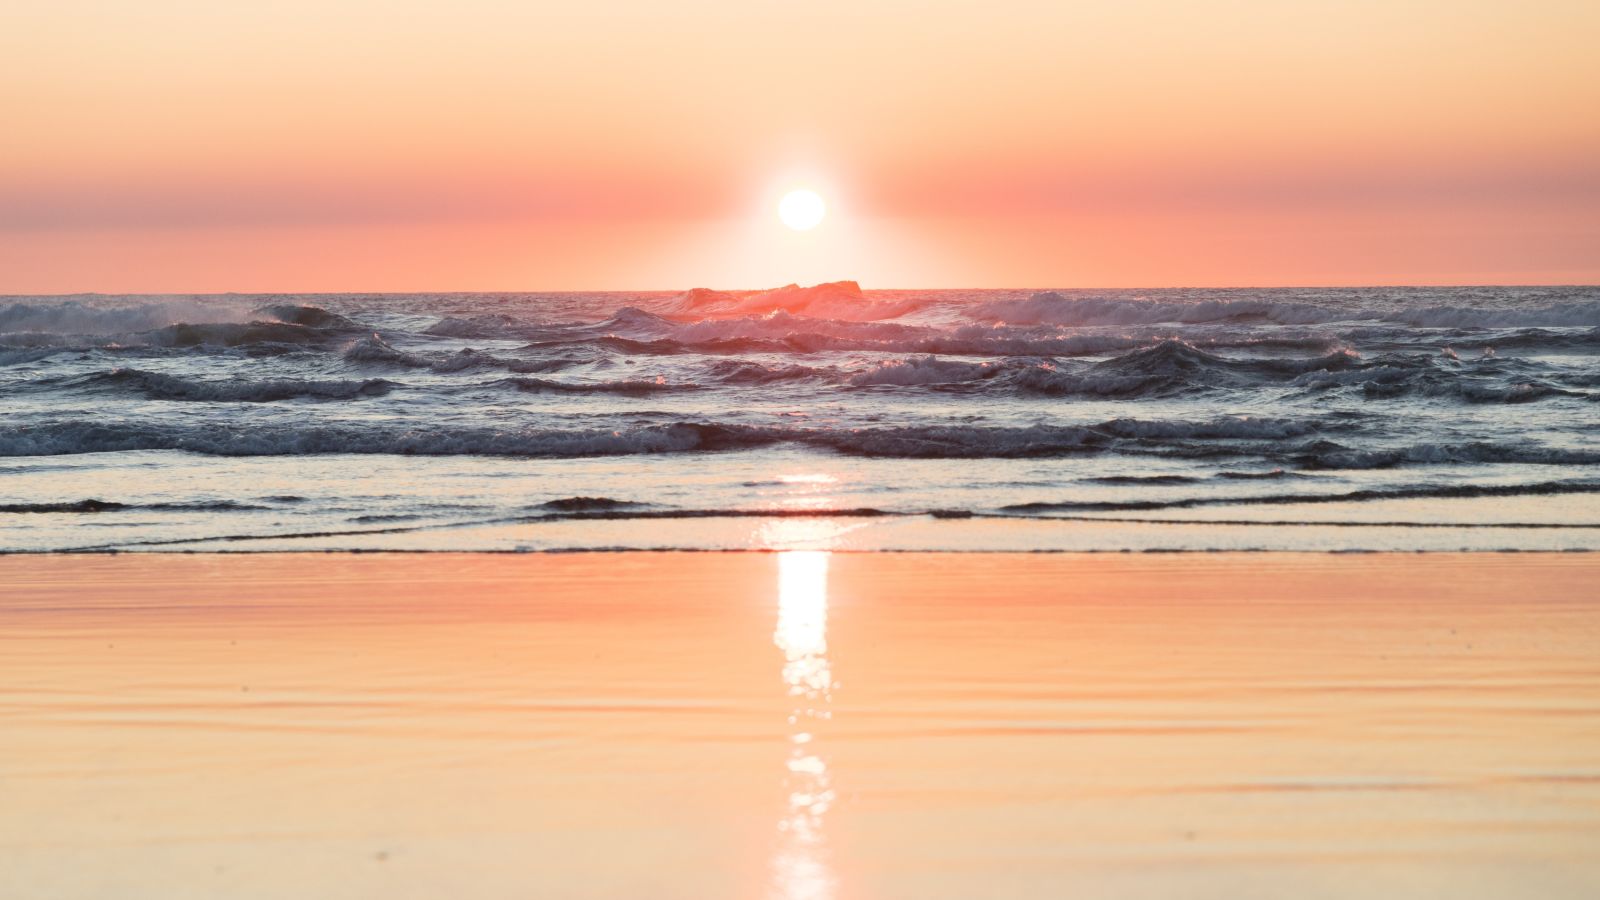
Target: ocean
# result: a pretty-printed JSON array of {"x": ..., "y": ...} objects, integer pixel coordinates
[{"x": 819, "y": 417}]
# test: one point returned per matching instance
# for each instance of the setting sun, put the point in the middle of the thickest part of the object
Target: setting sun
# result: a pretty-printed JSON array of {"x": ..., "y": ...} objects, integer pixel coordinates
[{"x": 801, "y": 210}]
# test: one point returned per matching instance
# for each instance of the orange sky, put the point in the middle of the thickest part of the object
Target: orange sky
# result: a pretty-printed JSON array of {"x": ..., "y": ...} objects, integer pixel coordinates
[{"x": 312, "y": 145}]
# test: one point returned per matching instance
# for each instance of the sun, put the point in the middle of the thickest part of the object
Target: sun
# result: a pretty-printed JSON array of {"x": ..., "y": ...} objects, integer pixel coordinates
[{"x": 801, "y": 210}]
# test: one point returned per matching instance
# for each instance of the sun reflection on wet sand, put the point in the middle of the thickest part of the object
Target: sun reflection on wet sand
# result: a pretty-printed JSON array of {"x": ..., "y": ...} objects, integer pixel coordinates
[{"x": 800, "y": 865}]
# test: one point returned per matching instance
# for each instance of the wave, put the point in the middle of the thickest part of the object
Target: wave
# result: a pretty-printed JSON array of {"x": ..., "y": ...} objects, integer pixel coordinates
[
  {"x": 1493, "y": 340},
  {"x": 468, "y": 358},
  {"x": 1172, "y": 368},
  {"x": 743, "y": 372},
  {"x": 781, "y": 333},
  {"x": 233, "y": 335},
  {"x": 21, "y": 356},
  {"x": 374, "y": 350},
  {"x": 1487, "y": 380},
  {"x": 588, "y": 504},
  {"x": 777, "y": 336},
  {"x": 911, "y": 441},
  {"x": 77, "y": 317},
  {"x": 839, "y": 300},
  {"x": 633, "y": 331},
  {"x": 1331, "y": 455},
  {"x": 89, "y": 506},
  {"x": 97, "y": 506},
  {"x": 1141, "y": 480},
  {"x": 1256, "y": 476},
  {"x": 1521, "y": 392},
  {"x": 309, "y": 316},
  {"x": 1447, "y": 491},
  {"x": 197, "y": 337},
  {"x": 1051, "y": 308},
  {"x": 625, "y": 388},
  {"x": 1582, "y": 314},
  {"x": 927, "y": 370},
  {"x": 495, "y": 326},
  {"x": 421, "y": 439},
  {"x": 630, "y": 320},
  {"x": 855, "y": 512},
  {"x": 186, "y": 323},
  {"x": 1166, "y": 368},
  {"x": 157, "y": 386}
]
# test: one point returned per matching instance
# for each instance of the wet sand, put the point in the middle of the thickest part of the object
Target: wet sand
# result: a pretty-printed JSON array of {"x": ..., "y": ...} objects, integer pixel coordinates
[{"x": 800, "y": 724}]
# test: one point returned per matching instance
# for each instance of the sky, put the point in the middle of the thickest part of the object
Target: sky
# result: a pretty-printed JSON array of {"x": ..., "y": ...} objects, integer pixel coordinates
[{"x": 336, "y": 145}]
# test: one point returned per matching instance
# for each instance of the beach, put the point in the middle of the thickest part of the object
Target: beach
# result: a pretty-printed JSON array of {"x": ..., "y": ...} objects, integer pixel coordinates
[{"x": 800, "y": 724}]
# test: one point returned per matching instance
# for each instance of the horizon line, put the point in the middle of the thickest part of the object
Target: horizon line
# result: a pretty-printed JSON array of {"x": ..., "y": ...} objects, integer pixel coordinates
[{"x": 465, "y": 291}]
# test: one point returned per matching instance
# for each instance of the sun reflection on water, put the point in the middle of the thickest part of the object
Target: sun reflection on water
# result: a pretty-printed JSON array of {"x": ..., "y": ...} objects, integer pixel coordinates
[{"x": 800, "y": 866}]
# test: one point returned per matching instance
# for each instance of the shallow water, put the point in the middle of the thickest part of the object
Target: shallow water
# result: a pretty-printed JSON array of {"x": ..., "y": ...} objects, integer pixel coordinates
[
  {"x": 802, "y": 724},
  {"x": 1445, "y": 418}
]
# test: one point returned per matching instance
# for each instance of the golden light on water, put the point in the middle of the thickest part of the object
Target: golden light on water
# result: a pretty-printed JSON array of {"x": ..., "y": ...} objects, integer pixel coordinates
[
  {"x": 803, "y": 621},
  {"x": 801, "y": 869}
]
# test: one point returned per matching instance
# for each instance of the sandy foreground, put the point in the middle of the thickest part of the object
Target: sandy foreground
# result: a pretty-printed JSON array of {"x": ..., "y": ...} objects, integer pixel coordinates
[{"x": 800, "y": 724}]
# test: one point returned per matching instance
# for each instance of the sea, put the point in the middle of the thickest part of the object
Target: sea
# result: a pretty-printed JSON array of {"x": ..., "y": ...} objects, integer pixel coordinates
[{"x": 1307, "y": 419}]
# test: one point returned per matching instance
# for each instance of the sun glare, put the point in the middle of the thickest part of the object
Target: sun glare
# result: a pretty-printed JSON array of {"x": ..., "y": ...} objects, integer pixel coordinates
[{"x": 801, "y": 210}]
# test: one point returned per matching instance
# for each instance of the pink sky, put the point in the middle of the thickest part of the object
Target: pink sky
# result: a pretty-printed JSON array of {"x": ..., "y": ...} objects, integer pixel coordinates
[{"x": 481, "y": 145}]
